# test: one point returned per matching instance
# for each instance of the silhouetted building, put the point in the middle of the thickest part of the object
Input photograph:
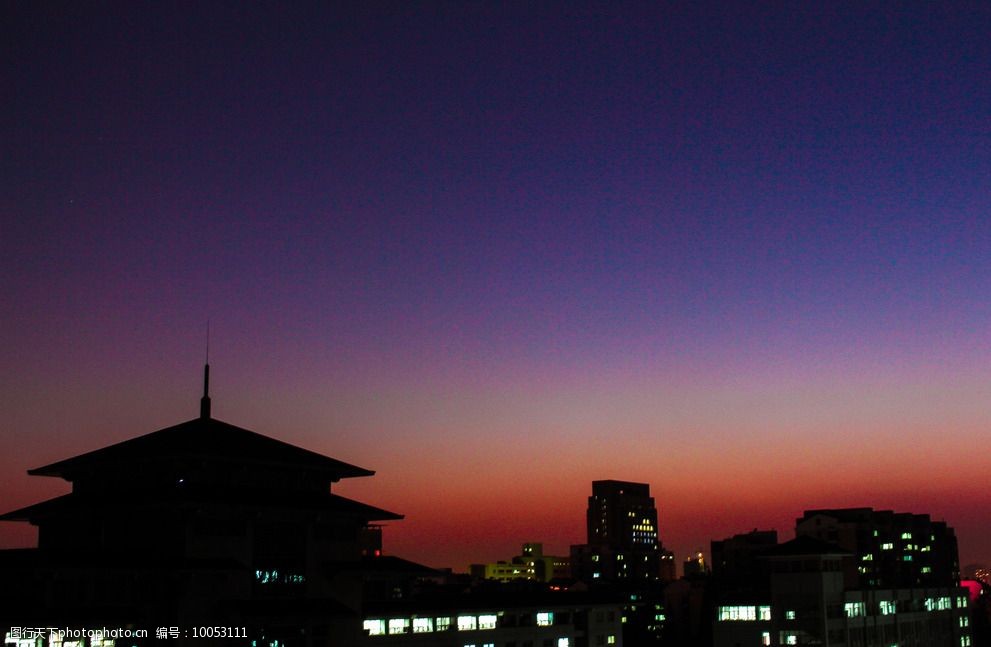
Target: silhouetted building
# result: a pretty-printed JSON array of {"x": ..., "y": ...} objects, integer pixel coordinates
[
  {"x": 202, "y": 524},
  {"x": 734, "y": 558},
  {"x": 623, "y": 543},
  {"x": 814, "y": 590},
  {"x": 810, "y": 602},
  {"x": 892, "y": 550}
]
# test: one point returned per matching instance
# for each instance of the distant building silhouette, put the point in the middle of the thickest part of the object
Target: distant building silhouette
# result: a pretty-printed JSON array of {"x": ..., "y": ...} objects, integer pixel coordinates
[
  {"x": 530, "y": 564},
  {"x": 623, "y": 543},
  {"x": 892, "y": 550}
]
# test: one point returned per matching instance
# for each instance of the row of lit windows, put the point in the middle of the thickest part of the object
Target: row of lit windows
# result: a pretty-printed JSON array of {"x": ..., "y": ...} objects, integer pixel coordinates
[
  {"x": 392, "y": 626},
  {"x": 745, "y": 613},
  {"x": 889, "y": 607}
]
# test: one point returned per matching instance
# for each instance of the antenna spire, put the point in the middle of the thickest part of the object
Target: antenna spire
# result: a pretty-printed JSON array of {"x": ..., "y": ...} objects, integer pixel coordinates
[{"x": 205, "y": 400}]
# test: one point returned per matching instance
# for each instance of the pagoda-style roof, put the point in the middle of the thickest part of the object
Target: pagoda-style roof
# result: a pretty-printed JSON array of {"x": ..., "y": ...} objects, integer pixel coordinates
[
  {"x": 315, "y": 502},
  {"x": 204, "y": 439}
]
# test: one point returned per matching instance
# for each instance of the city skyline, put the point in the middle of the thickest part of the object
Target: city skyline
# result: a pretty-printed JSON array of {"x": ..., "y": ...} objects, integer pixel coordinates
[{"x": 499, "y": 252}]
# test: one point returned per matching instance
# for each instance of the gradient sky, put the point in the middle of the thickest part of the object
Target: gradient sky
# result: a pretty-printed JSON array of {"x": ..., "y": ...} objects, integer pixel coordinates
[{"x": 498, "y": 251}]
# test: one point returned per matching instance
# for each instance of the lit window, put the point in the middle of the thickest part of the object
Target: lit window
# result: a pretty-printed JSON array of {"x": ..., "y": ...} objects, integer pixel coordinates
[
  {"x": 487, "y": 621},
  {"x": 906, "y": 558},
  {"x": 765, "y": 638},
  {"x": 855, "y": 609},
  {"x": 763, "y": 613},
  {"x": 563, "y": 642},
  {"x": 887, "y": 546},
  {"x": 422, "y": 625},
  {"x": 443, "y": 623},
  {"x": 611, "y": 640},
  {"x": 545, "y": 619},
  {"x": 964, "y": 641},
  {"x": 906, "y": 535},
  {"x": 964, "y": 621},
  {"x": 467, "y": 623},
  {"x": 398, "y": 625},
  {"x": 867, "y": 558},
  {"x": 375, "y": 627},
  {"x": 927, "y": 569},
  {"x": 887, "y": 608},
  {"x": 734, "y": 613},
  {"x": 789, "y": 615}
]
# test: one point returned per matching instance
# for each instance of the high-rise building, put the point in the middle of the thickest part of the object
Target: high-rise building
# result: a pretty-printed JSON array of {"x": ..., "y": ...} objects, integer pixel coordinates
[
  {"x": 622, "y": 516},
  {"x": 623, "y": 543}
]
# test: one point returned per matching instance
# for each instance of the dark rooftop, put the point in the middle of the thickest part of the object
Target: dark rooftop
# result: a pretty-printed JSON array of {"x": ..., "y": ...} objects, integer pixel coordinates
[{"x": 202, "y": 439}]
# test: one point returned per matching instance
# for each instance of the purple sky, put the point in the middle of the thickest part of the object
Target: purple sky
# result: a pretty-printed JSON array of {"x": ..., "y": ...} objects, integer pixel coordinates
[{"x": 718, "y": 248}]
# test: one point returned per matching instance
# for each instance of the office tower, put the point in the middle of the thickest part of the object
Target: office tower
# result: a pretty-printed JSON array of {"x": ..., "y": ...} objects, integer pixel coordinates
[{"x": 623, "y": 543}]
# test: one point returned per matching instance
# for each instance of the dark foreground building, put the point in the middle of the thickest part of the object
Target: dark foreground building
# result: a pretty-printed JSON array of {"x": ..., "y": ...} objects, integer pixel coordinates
[
  {"x": 196, "y": 525},
  {"x": 205, "y": 530}
]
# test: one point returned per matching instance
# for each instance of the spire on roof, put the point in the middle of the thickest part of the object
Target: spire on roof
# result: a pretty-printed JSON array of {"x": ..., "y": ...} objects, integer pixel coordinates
[{"x": 205, "y": 400}]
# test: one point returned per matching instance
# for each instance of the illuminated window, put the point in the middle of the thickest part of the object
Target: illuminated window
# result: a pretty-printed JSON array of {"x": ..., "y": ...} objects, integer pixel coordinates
[
  {"x": 964, "y": 621},
  {"x": 887, "y": 608},
  {"x": 398, "y": 625},
  {"x": 887, "y": 546},
  {"x": 443, "y": 623},
  {"x": 964, "y": 641},
  {"x": 906, "y": 535},
  {"x": 487, "y": 621},
  {"x": 735, "y": 613},
  {"x": 867, "y": 558},
  {"x": 906, "y": 558},
  {"x": 763, "y": 613},
  {"x": 927, "y": 569},
  {"x": 765, "y": 638},
  {"x": 962, "y": 602},
  {"x": 611, "y": 640},
  {"x": 545, "y": 619},
  {"x": 789, "y": 615},
  {"x": 855, "y": 609},
  {"x": 422, "y": 625},
  {"x": 467, "y": 623},
  {"x": 375, "y": 627},
  {"x": 563, "y": 642}
]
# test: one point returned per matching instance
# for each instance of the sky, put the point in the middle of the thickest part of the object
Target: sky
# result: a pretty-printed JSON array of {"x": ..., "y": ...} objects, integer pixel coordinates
[{"x": 496, "y": 251}]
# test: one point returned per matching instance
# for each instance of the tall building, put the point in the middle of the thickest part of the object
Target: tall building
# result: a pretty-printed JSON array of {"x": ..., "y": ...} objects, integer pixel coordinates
[
  {"x": 623, "y": 543},
  {"x": 622, "y": 516}
]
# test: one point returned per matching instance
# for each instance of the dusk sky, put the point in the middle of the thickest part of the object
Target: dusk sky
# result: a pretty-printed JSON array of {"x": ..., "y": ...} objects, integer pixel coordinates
[{"x": 496, "y": 251}]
